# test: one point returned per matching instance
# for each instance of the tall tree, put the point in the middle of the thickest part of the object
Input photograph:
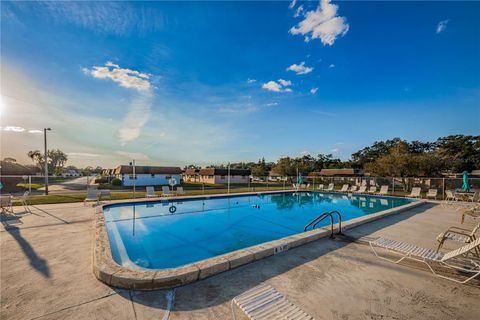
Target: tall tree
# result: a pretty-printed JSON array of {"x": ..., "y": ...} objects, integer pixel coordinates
[{"x": 56, "y": 159}]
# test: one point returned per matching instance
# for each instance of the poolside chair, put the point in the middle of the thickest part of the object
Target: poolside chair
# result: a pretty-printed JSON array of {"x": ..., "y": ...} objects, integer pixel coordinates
[
  {"x": 455, "y": 260},
  {"x": 321, "y": 187},
  {"x": 166, "y": 191},
  {"x": 372, "y": 190},
  {"x": 180, "y": 191},
  {"x": 432, "y": 194},
  {"x": 352, "y": 189},
  {"x": 471, "y": 212},
  {"x": 92, "y": 195},
  {"x": 459, "y": 235},
  {"x": 415, "y": 193},
  {"x": 265, "y": 302},
  {"x": 344, "y": 188},
  {"x": 362, "y": 189},
  {"x": 450, "y": 196},
  {"x": 104, "y": 195},
  {"x": 150, "y": 192},
  {"x": 383, "y": 190},
  {"x": 23, "y": 201},
  {"x": 6, "y": 203},
  {"x": 330, "y": 187}
]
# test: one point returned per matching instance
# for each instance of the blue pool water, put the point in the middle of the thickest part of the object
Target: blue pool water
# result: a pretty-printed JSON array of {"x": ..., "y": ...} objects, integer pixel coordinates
[{"x": 166, "y": 234}]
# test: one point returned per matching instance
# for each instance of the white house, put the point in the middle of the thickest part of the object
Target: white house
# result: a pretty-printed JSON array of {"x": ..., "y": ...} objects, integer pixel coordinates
[{"x": 147, "y": 175}]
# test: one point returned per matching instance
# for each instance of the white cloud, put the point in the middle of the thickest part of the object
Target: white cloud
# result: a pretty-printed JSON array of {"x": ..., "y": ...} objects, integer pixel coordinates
[
  {"x": 441, "y": 26},
  {"x": 331, "y": 66},
  {"x": 300, "y": 68},
  {"x": 13, "y": 129},
  {"x": 133, "y": 155},
  {"x": 135, "y": 118},
  {"x": 83, "y": 154},
  {"x": 251, "y": 80},
  {"x": 292, "y": 4},
  {"x": 323, "y": 24},
  {"x": 298, "y": 12},
  {"x": 279, "y": 86},
  {"x": 313, "y": 90},
  {"x": 272, "y": 104},
  {"x": 272, "y": 86},
  {"x": 334, "y": 150},
  {"x": 285, "y": 83},
  {"x": 126, "y": 78},
  {"x": 34, "y": 131}
]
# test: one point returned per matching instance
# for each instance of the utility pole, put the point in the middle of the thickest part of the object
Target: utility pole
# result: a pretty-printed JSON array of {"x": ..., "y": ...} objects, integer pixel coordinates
[
  {"x": 46, "y": 158},
  {"x": 134, "y": 176},
  {"x": 228, "y": 178}
]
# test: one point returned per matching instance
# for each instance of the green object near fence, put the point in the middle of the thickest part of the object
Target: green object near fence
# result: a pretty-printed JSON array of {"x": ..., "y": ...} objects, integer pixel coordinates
[
  {"x": 466, "y": 185},
  {"x": 1, "y": 186}
]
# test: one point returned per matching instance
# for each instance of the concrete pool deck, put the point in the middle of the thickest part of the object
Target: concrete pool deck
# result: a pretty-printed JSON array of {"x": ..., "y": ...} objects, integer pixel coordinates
[{"x": 46, "y": 273}]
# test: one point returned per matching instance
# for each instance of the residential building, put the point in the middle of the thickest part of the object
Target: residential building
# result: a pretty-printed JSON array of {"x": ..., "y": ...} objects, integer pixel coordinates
[{"x": 147, "y": 175}]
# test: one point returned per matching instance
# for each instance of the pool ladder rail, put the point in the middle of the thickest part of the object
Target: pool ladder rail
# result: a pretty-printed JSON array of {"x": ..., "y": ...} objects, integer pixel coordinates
[{"x": 324, "y": 215}]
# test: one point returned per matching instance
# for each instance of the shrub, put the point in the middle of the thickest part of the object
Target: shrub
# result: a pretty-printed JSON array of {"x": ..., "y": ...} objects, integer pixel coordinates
[{"x": 116, "y": 182}]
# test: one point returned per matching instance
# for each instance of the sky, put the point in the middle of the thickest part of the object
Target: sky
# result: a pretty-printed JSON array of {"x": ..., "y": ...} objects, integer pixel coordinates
[{"x": 178, "y": 83}]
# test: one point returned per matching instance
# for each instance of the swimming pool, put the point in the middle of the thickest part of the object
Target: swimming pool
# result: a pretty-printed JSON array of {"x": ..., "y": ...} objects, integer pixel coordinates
[{"x": 173, "y": 233}]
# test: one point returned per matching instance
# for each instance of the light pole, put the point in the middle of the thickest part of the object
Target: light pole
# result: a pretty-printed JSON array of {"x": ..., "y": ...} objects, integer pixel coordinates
[
  {"x": 134, "y": 176},
  {"x": 46, "y": 158},
  {"x": 228, "y": 178}
]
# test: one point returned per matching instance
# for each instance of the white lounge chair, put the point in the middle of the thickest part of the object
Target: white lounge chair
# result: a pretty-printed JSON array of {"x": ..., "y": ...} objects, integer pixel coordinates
[
  {"x": 150, "y": 192},
  {"x": 458, "y": 234},
  {"x": 372, "y": 190},
  {"x": 166, "y": 191},
  {"x": 92, "y": 195},
  {"x": 456, "y": 259},
  {"x": 383, "y": 190},
  {"x": 24, "y": 201},
  {"x": 353, "y": 189},
  {"x": 344, "y": 188},
  {"x": 321, "y": 187},
  {"x": 330, "y": 187},
  {"x": 432, "y": 194},
  {"x": 415, "y": 193},
  {"x": 264, "y": 302},
  {"x": 362, "y": 189},
  {"x": 180, "y": 191},
  {"x": 104, "y": 195}
]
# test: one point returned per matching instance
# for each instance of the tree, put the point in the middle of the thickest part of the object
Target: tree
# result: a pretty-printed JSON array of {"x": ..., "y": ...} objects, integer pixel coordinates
[
  {"x": 56, "y": 159},
  {"x": 459, "y": 152}
]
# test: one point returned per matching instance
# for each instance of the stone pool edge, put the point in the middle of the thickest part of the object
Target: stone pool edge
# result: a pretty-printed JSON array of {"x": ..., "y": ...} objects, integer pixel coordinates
[{"x": 109, "y": 272}]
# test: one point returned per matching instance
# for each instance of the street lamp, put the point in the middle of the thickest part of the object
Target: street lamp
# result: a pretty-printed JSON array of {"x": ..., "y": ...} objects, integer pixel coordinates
[
  {"x": 134, "y": 177},
  {"x": 46, "y": 158}
]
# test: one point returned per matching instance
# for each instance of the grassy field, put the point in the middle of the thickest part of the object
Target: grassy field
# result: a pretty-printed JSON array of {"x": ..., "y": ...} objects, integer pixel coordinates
[{"x": 26, "y": 186}]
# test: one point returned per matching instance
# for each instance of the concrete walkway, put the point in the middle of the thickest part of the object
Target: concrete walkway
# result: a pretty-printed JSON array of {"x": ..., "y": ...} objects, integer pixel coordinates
[{"x": 46, "y": 273}]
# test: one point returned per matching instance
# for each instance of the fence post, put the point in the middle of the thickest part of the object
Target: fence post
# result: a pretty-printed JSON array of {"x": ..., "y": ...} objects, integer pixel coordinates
[
  {"x": 393, "y": 185},
  {"x": 313, "y": 183},
  {"x": 266, "y": 178},
  {"x": 29, "y": 184}
]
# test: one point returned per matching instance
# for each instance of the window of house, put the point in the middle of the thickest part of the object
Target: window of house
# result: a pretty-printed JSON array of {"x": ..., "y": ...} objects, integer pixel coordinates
[
  {"x": 168, "y": 177},
  {"x": 132, "y": 177},
  {"x": 222, "y": 177}
]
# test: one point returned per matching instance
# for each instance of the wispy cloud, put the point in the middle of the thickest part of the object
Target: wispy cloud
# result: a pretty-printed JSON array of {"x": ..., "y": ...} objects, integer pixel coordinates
[
  {"x": 126, "y": 78},
  {"x": 298, "y": 12},
  {"x": 34, "y": 131},
  {"x": 272, "y": 104},
  {"x": 313, "y": 90},
  {"x": 300, "y": 68},
  {"x": 13, "y": 129},
  {"x": 334, "y": 150},
  {"x": 292, "y": 4},
  {"x": 139, "y": 112},
  {"x": 83, "y": 154},
  {"x": 441, "y": 26},
  {"x": 331, "y": 66},
  {"x": 251, "y": 80},
  {"x": 278, "y": 86},
  {"x": 136, "y": 118},
  {"x": 133, "y": 155},
  {"x": 322, "y": 23}
]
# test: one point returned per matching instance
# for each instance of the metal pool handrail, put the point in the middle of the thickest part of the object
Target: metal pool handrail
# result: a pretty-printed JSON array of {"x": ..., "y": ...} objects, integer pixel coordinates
[{"x": 318, "y": 219}]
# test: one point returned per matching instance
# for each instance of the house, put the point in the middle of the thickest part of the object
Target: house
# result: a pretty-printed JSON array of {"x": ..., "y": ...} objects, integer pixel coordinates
[
  {"x": 12, "y": 173},
  {"x": 191, "y": 175},
  {"x": 346, "y": 172},
  {"x": 70, "y": 173},
  {"x": 217, "y": 176},
  {"x": 147, "y": 175}
]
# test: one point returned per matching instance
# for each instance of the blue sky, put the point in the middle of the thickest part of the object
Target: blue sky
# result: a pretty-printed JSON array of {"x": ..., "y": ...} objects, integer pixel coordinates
[{"x": 212, "y": 82}]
